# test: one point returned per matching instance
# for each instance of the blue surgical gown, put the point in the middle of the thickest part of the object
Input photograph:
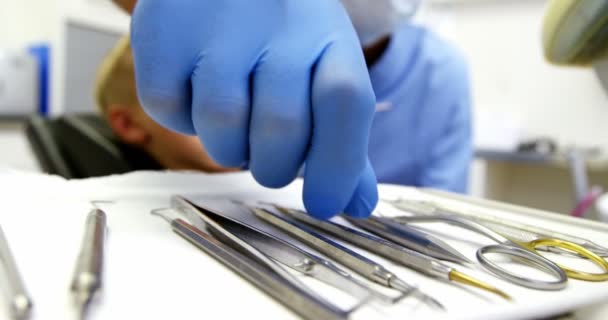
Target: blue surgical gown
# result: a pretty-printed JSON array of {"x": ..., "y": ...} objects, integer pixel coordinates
[{"x": 421, "y": 134}]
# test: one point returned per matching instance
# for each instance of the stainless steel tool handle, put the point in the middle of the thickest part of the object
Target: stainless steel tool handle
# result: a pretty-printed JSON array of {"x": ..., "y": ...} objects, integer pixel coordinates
[
  {"x": 93, "y": 245},
  {"x": 87, "y": 277},
  {"x": 88, "y": 274},
  {"x": 19, "y": 300}
]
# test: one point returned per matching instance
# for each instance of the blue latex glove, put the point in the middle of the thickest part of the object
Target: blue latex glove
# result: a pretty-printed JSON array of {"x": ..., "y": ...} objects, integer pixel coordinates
[{"x": 275, "y": 83}]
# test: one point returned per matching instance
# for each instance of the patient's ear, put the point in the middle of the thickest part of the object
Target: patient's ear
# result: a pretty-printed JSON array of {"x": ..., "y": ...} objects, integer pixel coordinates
[
  {"x": 126, "y": 125},
  {"x": 126, "y": 5}
]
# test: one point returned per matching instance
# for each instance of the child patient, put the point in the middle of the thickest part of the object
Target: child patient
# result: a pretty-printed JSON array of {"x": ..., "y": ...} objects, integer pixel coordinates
[{"x": 116, "y": 97}]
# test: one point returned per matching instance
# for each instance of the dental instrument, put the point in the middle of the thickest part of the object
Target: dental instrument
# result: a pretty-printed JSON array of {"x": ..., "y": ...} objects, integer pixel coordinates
[
  {"x": 358, "y": 263},
  {"x": 87, "y": 279},
  {"x": 394, "y": 252},
  {"x": 19, "y": 301},
  {"x": 250, "y": 263}
]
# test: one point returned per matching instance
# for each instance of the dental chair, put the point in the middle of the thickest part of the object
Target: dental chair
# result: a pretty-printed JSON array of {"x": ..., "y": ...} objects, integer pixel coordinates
[
  {"x": 82, "y": 146},
  {"x": 575, "y": 34}
]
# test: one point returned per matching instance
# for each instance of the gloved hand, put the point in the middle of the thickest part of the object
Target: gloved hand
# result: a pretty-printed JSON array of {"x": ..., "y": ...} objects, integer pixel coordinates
[{"x": 275, "y": 83}]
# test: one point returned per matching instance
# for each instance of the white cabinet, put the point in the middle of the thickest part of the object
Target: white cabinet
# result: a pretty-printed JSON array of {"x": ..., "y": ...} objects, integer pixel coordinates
[{"x": 86, "y": 30}]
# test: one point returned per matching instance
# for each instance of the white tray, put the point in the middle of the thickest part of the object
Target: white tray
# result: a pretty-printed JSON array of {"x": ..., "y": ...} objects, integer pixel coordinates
[{"x": 151, "y": 273}]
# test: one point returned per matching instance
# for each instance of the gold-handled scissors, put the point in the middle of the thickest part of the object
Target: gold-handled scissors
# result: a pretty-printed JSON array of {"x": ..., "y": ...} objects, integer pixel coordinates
[{"x": 513, "y": 242}]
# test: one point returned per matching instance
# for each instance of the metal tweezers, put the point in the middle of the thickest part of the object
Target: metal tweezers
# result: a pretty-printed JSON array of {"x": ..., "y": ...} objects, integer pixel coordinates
[
  {"x": 207, "y": 231},
  {"x": 392, "y": 251},
  {"x": 288, "y": 254},
  {"x": 364, "y": 266},
  {"x": 412, "y": 238}
]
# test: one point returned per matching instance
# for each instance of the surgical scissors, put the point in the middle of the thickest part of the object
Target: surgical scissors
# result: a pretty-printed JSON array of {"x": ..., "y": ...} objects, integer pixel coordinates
[
  {"x": 428, "y": 207},
  {"x": 490, "y": 204},
  {"x": 511, "y": 245}
]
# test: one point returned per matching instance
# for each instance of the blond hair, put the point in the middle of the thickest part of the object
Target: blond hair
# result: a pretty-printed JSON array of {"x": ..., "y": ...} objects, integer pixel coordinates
[{"x": 115, "y": 83}]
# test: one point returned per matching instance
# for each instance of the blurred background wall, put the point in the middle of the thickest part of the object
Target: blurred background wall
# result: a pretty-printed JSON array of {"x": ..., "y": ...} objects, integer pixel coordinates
[
  {"x": 516, "y": 94},
  {"x": 26, "y": 21}
]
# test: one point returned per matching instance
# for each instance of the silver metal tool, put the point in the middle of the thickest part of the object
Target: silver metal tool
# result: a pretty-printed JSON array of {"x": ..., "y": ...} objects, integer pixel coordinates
[
  {"x": 539, "y": 231},
  {"x": 287, "y": 253},
  {"x": 528, "y": 232},
  {"x": 19, "y": 301},
  {"x": 356, "y": 262},
  {"x": 249, "y": 263},
  {"x": 512, "y": 238},
  {"x": 87, "y": 279},
  {"x": 308, "y": 264},
  {"x": 394, "y": 252},
  {"x": 485, "y": 203},
  {"x": 410, "y": 238},
  {"x": 506, "y": 247}
]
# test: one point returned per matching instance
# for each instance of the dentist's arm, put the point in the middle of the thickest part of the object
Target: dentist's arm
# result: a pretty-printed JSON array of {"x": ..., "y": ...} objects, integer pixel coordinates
[
  {"x": 272, "y": 83},
  {"x": 450, "y": 153}
]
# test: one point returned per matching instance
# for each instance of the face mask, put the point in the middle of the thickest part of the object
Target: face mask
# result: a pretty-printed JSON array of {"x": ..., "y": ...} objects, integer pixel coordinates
[{"x": 376, "y": 18}]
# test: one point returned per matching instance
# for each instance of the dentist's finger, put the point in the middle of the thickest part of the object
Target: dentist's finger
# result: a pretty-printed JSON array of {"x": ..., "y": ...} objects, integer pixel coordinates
[{"x": 343, "y": 108}]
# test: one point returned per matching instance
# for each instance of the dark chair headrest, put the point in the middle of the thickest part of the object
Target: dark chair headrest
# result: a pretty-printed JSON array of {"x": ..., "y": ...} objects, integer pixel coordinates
[{"x": 82, "y": 146}]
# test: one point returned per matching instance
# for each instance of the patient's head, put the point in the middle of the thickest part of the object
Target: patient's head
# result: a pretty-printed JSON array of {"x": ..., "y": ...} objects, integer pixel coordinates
[{"x": 117, "y": 100}]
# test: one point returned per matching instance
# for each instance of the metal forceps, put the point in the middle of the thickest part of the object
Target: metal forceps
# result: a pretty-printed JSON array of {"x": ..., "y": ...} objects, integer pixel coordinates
[
  {"x": 505, "y": 224},
  {"x": 286, "y": 253},
  {"x": 87, "y": 279},
  {"x": 394, "y": 252},
  {"x": 208, "y": 235},
  {"x": 287, "y": 292},
  {"x": 358, "y": 263},
  {"x": 509, "y": 245}
]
